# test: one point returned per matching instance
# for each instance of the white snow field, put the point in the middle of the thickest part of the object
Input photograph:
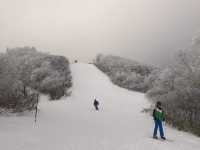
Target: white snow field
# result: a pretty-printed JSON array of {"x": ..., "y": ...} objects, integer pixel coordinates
[{"x": 73, "y": 124}]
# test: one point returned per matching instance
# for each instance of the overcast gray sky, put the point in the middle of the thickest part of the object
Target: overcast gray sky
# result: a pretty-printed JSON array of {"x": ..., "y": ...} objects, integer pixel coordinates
[{"x": 145, "y": 30}]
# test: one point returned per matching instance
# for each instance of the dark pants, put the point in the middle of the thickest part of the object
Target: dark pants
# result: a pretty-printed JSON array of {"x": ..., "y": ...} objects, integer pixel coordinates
[
  {"x": 158, "y": 124},
  {"x": 96, "y": 107}
]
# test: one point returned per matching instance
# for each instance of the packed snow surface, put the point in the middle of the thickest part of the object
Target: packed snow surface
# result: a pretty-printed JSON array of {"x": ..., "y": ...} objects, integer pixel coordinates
[{"x": 73, "y": 124}]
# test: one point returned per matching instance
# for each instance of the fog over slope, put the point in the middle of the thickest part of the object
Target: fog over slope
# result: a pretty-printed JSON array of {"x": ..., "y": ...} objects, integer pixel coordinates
[{"x": 149, "y": 31}]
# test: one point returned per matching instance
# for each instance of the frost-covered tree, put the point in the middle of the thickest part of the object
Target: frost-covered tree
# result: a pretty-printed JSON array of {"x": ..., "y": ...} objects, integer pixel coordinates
[
  {"x": 23, "y": 71},
  {"x": 11, "y": 88},
  {"x": 124, "y": 72},
  {"x": 52, "y": 77},
  {"x": 178, "y": 87}
]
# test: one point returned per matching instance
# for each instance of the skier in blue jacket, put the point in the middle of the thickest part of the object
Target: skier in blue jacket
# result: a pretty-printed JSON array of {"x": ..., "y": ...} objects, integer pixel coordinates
[{"x": 159, "y": 117}]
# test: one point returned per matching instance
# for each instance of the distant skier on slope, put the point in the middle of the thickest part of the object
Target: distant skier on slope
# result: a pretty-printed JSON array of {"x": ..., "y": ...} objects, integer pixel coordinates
[
  {"x": 96, "y": 104},
  {"x": 159, "y": 117}
]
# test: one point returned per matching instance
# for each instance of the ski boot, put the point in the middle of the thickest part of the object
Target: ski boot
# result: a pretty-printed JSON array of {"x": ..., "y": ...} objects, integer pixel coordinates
[
  {"x": 155, "y": 137},
  {"x": 163, "y": 138}
]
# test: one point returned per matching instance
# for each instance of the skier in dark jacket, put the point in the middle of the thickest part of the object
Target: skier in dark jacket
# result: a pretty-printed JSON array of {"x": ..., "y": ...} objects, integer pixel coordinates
[
  {"x": 159, "y": 117},
  {"x": 96, "y": 104}
]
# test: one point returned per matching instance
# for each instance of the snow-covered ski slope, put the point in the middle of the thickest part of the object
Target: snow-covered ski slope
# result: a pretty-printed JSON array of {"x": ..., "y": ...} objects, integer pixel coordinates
[{"x": 73, "y": 124}]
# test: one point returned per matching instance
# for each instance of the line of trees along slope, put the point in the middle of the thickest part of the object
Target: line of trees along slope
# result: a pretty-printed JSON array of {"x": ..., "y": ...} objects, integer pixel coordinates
[
  {"x": 124, "y": 72},
  {"x": 23, "y": 71}
]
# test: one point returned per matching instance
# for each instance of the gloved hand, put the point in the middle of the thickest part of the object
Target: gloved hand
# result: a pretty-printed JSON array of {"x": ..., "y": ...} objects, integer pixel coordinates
[{"x": 164, "y": 119}]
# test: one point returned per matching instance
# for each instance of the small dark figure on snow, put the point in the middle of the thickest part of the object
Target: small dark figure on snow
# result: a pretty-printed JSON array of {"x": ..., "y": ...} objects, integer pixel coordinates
[
  {"x": 96, "y": 104},
  {"x": 159, "y": 117}
]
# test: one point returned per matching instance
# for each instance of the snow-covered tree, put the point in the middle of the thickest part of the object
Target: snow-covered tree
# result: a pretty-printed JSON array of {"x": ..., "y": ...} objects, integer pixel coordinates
[
  {"x": 24, "y": 70},
  {"x": 178, "y": 87},
  {"x": 124, "y": 72}
]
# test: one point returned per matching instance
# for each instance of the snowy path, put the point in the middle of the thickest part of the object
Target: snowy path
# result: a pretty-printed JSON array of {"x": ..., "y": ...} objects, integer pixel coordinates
[{"x": 72, "y": 124}]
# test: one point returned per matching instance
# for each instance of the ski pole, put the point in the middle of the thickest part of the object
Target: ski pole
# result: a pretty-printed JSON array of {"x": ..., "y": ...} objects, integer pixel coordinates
[{"x": 36, "y": 108}]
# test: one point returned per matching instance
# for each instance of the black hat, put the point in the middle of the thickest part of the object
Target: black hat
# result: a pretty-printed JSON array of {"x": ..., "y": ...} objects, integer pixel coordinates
[{"x": 158, "y": 103}]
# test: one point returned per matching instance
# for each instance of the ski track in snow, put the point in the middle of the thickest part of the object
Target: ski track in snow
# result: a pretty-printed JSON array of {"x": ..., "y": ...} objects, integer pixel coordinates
[{"x": 73, "y": 124}]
